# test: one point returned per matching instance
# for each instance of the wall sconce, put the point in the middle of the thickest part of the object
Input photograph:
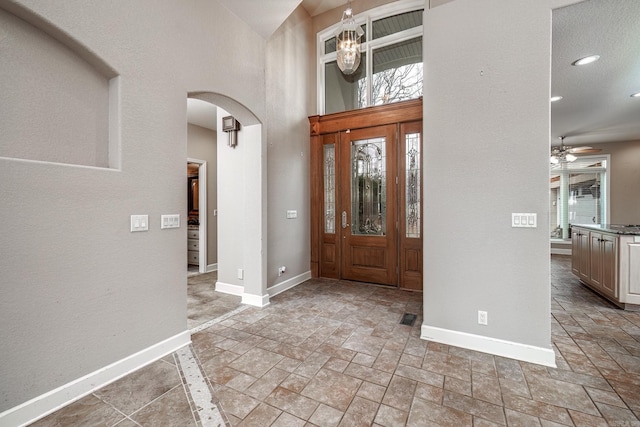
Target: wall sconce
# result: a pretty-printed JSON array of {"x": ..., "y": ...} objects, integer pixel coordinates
[{"x": 231, "y": 126}]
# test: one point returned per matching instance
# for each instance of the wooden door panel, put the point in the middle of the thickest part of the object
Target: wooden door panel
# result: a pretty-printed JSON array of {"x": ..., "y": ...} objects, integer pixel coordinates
[
  {"x": 369, "y": 231},
  {"x": 413, "y": 260},
  {"x": 366, "y": 256}
]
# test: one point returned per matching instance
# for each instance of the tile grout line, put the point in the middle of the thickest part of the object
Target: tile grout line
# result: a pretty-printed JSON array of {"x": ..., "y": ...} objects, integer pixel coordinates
[
  {"x": 196, "y": 386},
  {"x": 218, "y": 319}
]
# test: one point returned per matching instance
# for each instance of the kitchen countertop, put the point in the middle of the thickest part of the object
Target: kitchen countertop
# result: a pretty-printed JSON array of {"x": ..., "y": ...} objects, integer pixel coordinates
[{"x": 627, "y": 229}]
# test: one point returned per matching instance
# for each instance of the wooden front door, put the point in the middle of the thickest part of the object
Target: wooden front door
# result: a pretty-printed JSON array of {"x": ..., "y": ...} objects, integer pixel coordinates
[
  {"x": 366, "y": 195},
  {"x": 367, "y": 205}
]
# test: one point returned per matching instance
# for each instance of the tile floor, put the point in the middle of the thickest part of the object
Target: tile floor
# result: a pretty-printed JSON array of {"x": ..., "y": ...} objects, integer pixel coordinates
[
  {"x": 204, "y": 303},
  {"x": 330, "y": 353}
]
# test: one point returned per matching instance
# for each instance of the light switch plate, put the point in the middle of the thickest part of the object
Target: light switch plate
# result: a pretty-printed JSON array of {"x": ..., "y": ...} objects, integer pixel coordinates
[
  {"x": 292, "y": 214},
  {"x": 524, "y": 220},
  {"x": 139, "y": 223},
  {"x": 170, "y": 221}
]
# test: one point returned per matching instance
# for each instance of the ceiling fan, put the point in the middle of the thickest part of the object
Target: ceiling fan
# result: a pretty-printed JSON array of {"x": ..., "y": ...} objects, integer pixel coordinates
[{"x": 565, "y": 153}]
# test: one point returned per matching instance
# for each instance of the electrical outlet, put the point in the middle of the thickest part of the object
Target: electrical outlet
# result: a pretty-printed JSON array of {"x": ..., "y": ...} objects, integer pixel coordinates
[
  {"x": 281, "y": 270},
  {"x": 482, "y": 317}
]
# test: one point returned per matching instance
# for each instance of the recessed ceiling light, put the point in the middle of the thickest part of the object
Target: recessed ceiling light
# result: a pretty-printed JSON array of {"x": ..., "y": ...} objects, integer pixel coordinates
[
  {"x": 586, "y": 60},
  {"x": 555, "y": 98},
  {"x": 635, "y": 95}
]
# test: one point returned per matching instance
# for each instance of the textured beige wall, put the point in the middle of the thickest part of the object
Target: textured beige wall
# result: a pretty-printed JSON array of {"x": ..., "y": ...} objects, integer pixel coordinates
[
  {"x": 477, "y": 55},
  {"x": 291, "y": 82},
  {"x": 79, "y": 290},
  {"x": 624, "y": 183}
]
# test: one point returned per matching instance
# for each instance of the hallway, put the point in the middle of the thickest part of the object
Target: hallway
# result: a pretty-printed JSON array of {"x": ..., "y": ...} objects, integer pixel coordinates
[{"x": 331, "y": 353}]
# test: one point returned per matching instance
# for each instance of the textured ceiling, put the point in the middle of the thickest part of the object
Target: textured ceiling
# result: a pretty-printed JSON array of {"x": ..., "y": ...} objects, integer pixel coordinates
[{"x": 596, "y": 105}]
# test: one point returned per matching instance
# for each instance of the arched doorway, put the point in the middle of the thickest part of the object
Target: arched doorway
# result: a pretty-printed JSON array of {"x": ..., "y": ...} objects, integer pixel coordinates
[{"x": 241, "y": 205}]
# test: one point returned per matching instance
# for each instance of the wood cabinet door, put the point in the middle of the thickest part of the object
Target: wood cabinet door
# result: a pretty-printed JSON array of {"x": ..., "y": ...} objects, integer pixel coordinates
[
  {"x": 575, "y": 251},
  {"x": 609, "y": 264},
  {"x": 584, "y": 259},
  {"x": 367, "y": 216},
  {"x": 595, "y": 263}
]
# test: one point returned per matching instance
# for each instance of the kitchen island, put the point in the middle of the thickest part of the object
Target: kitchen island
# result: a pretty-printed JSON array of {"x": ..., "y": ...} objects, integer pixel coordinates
[{"x": 606, "y": 258}]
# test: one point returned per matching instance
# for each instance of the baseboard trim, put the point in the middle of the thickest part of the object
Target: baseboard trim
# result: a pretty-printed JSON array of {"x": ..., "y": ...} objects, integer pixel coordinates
[
  {"x": 227, "y": 288},
  {"x": 288, "y": 284},
  {"x": 212, "y": 267},
  {"x": 559, "y": 251},
  {"x": 255, "y": 300},
  {"x": 498, "y": 347},
  {"x": 45, "y": 404}
]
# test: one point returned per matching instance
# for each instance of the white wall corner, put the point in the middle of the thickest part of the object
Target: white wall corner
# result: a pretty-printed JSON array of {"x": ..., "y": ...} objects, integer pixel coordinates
[
  {"x": 288, "y": 284},
  {"x": 498, "y": 347},
  {"x": 227, "y": 288},
  {"x": 47, "y": 403},
  {"x": 255, "y": 300}
]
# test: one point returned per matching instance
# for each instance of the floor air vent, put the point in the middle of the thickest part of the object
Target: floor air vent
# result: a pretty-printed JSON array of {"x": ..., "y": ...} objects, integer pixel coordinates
[{"x": 408, "y": 319}]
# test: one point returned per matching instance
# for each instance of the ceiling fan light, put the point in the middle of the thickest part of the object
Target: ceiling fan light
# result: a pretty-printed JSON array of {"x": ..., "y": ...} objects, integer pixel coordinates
[
  {"x": 586, "y": 60},
  {"x": 554, "y": 160},
  {"x": 570, "y": 157}
]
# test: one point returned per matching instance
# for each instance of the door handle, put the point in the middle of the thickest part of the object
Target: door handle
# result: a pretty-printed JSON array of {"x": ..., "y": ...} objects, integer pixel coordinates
[{"x": 344, "y": 219}]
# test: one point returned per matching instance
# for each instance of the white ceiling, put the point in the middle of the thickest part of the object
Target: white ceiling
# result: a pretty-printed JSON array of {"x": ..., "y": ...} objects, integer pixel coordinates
[
  {"x": 264, "y": 16},
  {"x": 202, "y": 113},
  {"x": 596, "y": 105}
]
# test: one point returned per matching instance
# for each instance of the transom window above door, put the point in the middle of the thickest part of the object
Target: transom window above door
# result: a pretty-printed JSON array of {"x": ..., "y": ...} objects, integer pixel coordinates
[{"x": 391, "y": 67}]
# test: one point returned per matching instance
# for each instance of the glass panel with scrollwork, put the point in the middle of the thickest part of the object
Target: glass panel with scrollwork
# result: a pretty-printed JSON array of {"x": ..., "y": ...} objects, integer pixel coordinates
[
  {"x": 329, "y": 189},
  {"x": 412, "y": 185},
  {"x": 368, "y": 187}
]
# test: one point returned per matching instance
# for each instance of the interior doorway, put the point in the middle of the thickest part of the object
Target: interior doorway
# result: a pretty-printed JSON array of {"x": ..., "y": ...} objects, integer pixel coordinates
[{"x": 197, "y": 216}]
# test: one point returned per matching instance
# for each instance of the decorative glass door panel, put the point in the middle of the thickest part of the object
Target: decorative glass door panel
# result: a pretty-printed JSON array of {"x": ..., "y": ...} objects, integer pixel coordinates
[
  {"x": 368, "y": 227},
  {"x": 410, "y": 206},
  {"x": 368, "y": 182},
  {"x": 330, "y": 188}
]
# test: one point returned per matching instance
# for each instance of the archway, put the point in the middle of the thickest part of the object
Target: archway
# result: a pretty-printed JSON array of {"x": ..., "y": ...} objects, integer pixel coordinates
[{"x": 242, "y": 191}]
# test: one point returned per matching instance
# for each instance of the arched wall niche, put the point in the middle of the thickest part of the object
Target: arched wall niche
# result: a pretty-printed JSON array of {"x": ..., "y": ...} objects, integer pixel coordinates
[{"x": 74, "y": 119}]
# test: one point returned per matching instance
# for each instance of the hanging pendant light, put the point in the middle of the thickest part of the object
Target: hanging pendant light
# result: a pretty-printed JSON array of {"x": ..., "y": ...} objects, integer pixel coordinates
[{"x": 348, "y": 42}]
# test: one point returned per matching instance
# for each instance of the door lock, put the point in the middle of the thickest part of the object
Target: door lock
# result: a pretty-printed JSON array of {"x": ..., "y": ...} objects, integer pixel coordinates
[{"x": 344, "y": 219}]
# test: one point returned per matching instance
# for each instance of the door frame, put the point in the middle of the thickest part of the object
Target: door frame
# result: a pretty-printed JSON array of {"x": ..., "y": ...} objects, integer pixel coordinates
[
  {"x": 202, "y": 212},
  {"x": 325, "y": 247}
]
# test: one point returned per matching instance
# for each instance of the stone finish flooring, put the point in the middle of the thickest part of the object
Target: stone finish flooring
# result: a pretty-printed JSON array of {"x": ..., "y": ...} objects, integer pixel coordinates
[
  {"x": 204, "y": 303},
  {"x": 330, "y": 353}
]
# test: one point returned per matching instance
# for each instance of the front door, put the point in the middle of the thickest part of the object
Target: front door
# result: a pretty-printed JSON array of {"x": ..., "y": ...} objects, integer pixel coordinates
[
  {"x": 366, "y": 195},
  {"x": 368, "y": 205}
]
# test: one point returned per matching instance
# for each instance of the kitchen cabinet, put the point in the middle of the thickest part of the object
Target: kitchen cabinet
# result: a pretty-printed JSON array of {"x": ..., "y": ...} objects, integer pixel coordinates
[
  {"x": 603, "y": 262},
  {"x": 580, "y": 260},
  {"x": 607, "y": 259}
]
